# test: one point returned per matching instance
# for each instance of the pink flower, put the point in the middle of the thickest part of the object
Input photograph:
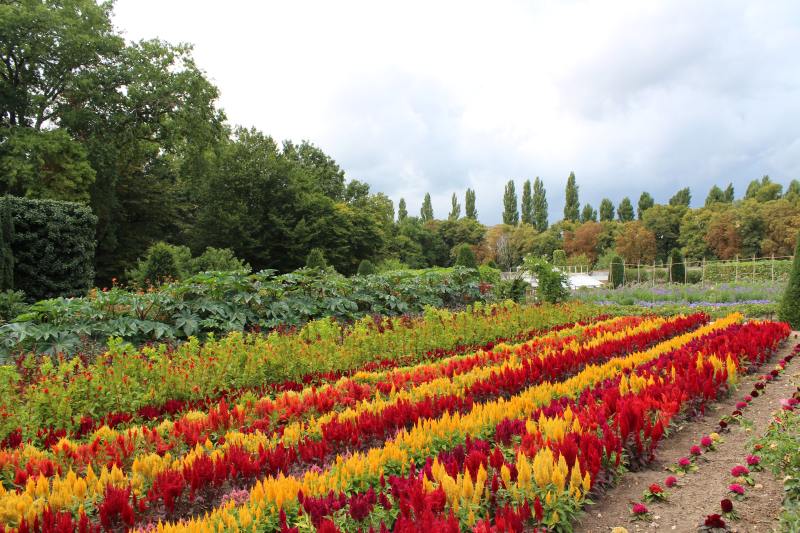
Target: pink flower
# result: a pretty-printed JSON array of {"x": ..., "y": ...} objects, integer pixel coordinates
[
  {"x": 736, "y": 489},
  {"x": 684, "y": 461},
  {"x": 753, "y": 460},
  {"x": 748, "y": 398},
  {"x": 639, "y": 509},
  {"x": 671, "y": 481},
  {"x": 739, "y": 470},
  {"x": 695, "y": 450},
  {"x": 741, "y": 405},
  {"x": 706, "y": 441}
]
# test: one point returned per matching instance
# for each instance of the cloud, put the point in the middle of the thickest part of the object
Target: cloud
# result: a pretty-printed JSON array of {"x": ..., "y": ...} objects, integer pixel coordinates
[{"x": 419, "y": 97}]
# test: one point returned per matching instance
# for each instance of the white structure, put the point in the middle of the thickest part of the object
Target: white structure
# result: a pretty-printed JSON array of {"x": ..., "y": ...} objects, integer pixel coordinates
[{"x": 577, "y": 280}]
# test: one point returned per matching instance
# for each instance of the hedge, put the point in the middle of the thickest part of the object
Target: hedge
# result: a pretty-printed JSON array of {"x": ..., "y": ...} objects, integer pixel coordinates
[{"x": 53, "y": 245}]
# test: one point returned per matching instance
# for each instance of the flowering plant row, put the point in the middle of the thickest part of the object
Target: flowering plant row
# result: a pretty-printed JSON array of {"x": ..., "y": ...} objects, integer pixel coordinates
[
  {"x": 250, "y": 454},
  {"x": 46, "y": 400},
  {"x": 529, "y": 459}
]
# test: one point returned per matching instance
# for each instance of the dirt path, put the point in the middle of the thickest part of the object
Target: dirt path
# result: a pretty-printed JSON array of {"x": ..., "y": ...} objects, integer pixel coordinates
[{"x": 700, "y": 492}]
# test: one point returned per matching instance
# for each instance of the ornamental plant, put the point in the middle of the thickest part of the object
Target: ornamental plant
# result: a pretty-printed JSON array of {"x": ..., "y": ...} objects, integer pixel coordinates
[
  {"x": 639, "y": 511},
  {"x": 655, "y": 493},
  {"x": 789, "y": 308}
]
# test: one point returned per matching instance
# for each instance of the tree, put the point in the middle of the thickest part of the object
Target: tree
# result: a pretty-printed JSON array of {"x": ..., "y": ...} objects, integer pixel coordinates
[
  {"x": 426, "y": 212},
  {"x": 677, "y": 268},
  {"x": 728, "y": 194},
  {"x": 469, "y": 203},
  {"x": 588, "y": 214},
  {"x": 782, "y": 225},
  {"x": 160, "y": 265},
  {"x": 539, "y": 205},
  {"x": 763, "y": 190},
  {"x": 606, "y": 210},
  {"x": 636, "y": 243},
  {"x": 693, "y": 229},
  {"x": 316, "y": 259},
  {"x": 6, "y": 254},
  {"x": 559, "y": 258},
  {"x": 681, "y": 198},
  {"x": 465, "y": 257},
  {"x": 616, "y": 271},
  {"x": 625, "y": 210},
  {"x": 722, "y": 236},
  {"x": 715, "y": 195},
  {"x": 645, "y": 202},
  {"x": 510, "y": 211},
  {"x": 402, "y": 210},
  {"x": 552, "y": 284},
  {"x": 527, "y": 203},
  {"x": 455, "y": 208},
  {"x": 366, "y": 268},
  {"x": 789, "y": 308},
  {"x": 584, "y": 240},
  {"x": 572, "y": 205},
  {"x": 665, "y": 222},
  {"x": 793, "y": 191}
]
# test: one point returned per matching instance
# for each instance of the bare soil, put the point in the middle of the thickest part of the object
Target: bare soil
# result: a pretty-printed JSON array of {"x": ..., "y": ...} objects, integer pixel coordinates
[{"x": 699, "y": 493}]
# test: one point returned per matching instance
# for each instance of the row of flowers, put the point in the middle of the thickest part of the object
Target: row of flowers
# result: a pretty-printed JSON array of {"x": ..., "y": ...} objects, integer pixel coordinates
[
  {"x": 534, "y": 467},
  {"x": 531, "y": 460},
  {"x": 48, "y": 400},
  {"x": 245, "y": 456}
]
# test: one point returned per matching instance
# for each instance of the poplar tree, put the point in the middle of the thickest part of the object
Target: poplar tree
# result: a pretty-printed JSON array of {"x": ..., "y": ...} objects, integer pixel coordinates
[
  {"x": 625, "y": 210},
  {"x": 402, "y": 211},
  {"x": 510, "y": 211},
  {"x": 455, "y": 208},
  {"x": 527, "y": 203},
  {"x": 469, "y": 205},
  {"x": 539, "y": 205},
  {"x": 645, "y": 202},
  {"x": 606, "y": 210},
  {"x": 572, "y": 207},
  {"x": 426, "y": 213}
]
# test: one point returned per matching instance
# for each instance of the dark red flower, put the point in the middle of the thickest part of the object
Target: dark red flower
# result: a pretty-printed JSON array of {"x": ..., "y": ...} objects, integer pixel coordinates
[
  {"x": 727, "y": 505},
  {"x": 715, "y": 520}
]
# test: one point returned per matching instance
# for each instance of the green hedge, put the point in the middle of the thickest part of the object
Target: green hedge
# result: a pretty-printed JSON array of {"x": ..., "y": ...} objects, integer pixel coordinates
[
  {"x": 53, "y": 245},
  {"x": 727, "y": 272}
]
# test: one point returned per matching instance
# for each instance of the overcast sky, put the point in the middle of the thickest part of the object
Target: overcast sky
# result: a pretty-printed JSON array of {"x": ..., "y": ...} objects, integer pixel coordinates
[{"x": 440, "y": 96}]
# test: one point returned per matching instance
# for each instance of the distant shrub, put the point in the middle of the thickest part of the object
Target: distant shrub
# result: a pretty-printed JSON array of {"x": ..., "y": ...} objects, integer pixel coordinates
[
  {"x": 316, "y": 259},
  {"x": 789, "y": 309},
  {"x": 216, "y": 260},
  {"x": 676, "y": 267},
  {"x": 466, "y": 257},
  {"x": 366, "y": 268},
  {"x": 6, "y": 253},
  {"x": 12, "y": 304},
  {"x": 616, "y": 274},
  {"x": 489, "y": 274},
  {"x": 391, "y": 264},
  {"x": 559, "y": 258},
  {"x": 513, "y": 289},
  {"x": 552, "y": 285}
]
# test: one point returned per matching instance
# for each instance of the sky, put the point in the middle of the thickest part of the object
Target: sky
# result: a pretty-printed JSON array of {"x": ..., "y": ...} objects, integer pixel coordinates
[{"x": 414, "y": 97}]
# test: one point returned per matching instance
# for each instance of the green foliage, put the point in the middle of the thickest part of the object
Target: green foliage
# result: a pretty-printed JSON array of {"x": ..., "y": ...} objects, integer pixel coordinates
[
  {"x": 53, "y": 245},
  {"x": 539, "y": 205},
  {"x": 402, "y": 211},
  {"x": 160, "y": 265},
  {"x": 677, "y": 268},
  {"x": 664, "y": 221},
  {"x": 426, "y": 212},
  {"x": 455, "y": 208},
  {"x": 465, "y": 257},
  {"x": 616, "y": 273},
  {"x": 552, "y": 285},
  {"x": 645, "y": 202},
  {"x": 778, "y": 451},
  {"x": 625, "y": 210},
  {"x": 588, "y": 214},
  {"x": 681, "y": 198},
  {"x": 789, "y": 310},
  {"x": 219, "y": 302},
  {"x": 216, "y": 260},
  {"x": 559, "y": 258},
  {"x": 606, "y": 210},
  {"x": 390, "y": 264},
  {"x": 527, "y": 203},
  {"x": 763, "y": 190},
  {"x": 12, "y": 304},
  {"x": 316, "y": 259},
  {"x": 572, "y": 205},
  {"x": 715, "y": 196},
  {"x": 489, "y": 274},
  {"x": 366, "y": 268},
  {"x": 469, "y": 203},
  {"x": 6, "y": 253},
  {"x": 514, "y": 289},
  {"x": 510, "y": 210}
]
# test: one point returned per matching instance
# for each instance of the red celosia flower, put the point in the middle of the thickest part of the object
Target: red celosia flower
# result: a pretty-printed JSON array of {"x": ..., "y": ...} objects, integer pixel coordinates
[
  {"x": 753, "y": 460},
  {"x": 706, "y": 441},
  {"x": 671, "y": 481},
  {"x": 741, "y": 405},
  {"x": 639, "y": 509},
  {"x": 739, "y": 470},
  {"x": 736, "y": 489},
  {"x": 714, "y": 520},
  {"x": 684, "y": 461},
  {"x": 655, "y": 488},
  {"x": 727, "y": 505},
  {"x": 695, "y": 450}
]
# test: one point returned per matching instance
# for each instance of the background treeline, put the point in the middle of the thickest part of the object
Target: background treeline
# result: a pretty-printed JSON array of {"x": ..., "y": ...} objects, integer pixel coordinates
[{"x": 133, "y": 132}]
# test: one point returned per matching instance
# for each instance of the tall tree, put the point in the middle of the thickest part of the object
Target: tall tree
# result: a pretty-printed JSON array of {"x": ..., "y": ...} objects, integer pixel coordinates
[
  {"x": 645, "y": 202},
  {"x": 510, "y": 210},
  {"x": 793, "y": 191},
  {"x": 715, "y": 196},
  {"x": 402, "y": 210},
  {"x": 606, "y": 209},
  {"x": 763, "y": 190},
  {"x": 625, "y": 210},
  {"x": 636, "y": 243},
  {"x": 664, "y": 221},
  {"x": 729, "y": 194},
  {"x": 682, "y": 197},
  {"x": 426, "y": 212},
  {"x": 469, "y": 204},
  {"x": 588, "y": 214},
  {"x": 527, "y": 203},
  {"x": 539, "y": 205},
  {"x": 455, "y": 208},
  {"x": 789, "y": 308},
  {"x": 572, "y": 206}
]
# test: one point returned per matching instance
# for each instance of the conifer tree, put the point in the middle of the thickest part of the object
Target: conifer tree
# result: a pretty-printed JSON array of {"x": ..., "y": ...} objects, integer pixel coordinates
[
  {"x": 789, "y": 309},
  {"x": 510, "y": 210}
]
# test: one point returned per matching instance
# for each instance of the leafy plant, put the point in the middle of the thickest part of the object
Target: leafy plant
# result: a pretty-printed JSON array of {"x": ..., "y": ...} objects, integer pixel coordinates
[{"x": 552, "y": 284}]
